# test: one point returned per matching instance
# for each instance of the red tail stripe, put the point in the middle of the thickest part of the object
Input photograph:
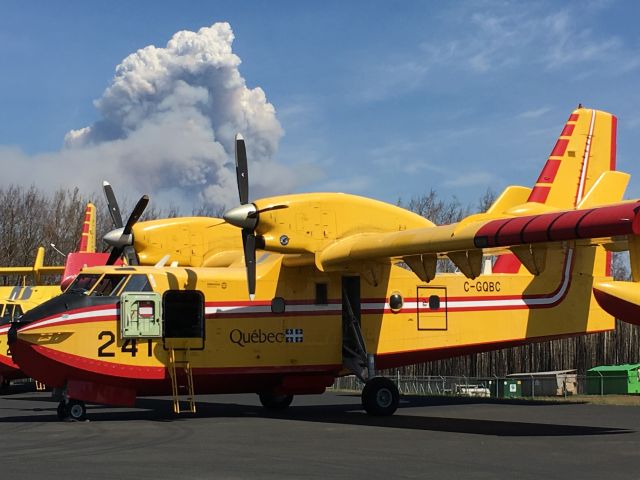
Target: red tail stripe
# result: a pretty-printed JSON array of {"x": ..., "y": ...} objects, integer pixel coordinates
[
  {"x": 573, "y": 117},
  {"x": 567, "y": 131},
  {"x": 559, "y": 148},
  {"x": 549, "y": 171},
  {"x": 508, "y": 263},
  {"x": 539, "y": 194},
  {"x": 614, "y": 133}
]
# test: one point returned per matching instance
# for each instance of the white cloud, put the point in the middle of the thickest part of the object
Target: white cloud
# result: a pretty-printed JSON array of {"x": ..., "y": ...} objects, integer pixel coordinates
[
  {"x": 536, "y": 113},
  {"x": 471, "y": 179},
  {"x": 481, "y": 38},
  {"x": 166, "y": 126}
]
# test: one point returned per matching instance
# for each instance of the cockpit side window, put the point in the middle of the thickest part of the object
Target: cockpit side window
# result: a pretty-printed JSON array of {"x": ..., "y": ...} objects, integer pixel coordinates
[
  {"x": 108, "y": 285},
  {"x": 11, "y": 312},
  {"x": 83, "y": 282},
  {"x": 138, "y": 283},
  {"x": 5, "y": 314}
]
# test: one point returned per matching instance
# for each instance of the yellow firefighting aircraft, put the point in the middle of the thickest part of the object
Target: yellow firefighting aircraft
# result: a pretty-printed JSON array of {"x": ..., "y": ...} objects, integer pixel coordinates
[
  {"x": 16, "y": 300},
  {"x": 337, "y": 284}
]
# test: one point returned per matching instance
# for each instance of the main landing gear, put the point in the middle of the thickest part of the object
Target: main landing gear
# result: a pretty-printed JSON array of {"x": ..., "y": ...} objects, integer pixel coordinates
[
  {"x": 272, "y": 401},
  {"x": 74, "y": 410},
  {"x": 380, "y": 397}
]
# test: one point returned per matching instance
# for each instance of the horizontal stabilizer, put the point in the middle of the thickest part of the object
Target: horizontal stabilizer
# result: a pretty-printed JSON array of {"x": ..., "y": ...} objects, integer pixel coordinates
[{"x": 608, "y": 188}]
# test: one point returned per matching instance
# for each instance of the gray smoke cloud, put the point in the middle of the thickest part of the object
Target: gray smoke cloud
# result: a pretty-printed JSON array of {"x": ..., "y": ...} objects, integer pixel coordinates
[{"x": 167, "y": 124}]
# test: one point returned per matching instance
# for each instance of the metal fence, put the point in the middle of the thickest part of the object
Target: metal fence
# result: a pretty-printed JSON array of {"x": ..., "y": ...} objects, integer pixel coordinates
[{"x": 523, "y": 385}]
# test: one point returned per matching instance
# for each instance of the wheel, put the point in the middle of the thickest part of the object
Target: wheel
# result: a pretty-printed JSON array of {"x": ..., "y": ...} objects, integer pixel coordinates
[
  {"x": 380, "y": 397},
  {"x": 76, "y": 410},
  {"x": 273, "y": 401}
]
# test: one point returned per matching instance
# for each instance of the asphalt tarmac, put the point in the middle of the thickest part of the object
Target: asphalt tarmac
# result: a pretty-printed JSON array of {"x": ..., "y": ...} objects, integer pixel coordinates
[{"x": 323, "y": 436}]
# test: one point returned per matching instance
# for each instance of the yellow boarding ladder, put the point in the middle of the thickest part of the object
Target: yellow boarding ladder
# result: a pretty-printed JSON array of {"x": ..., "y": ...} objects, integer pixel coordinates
[{"x": 186, "y": 365}]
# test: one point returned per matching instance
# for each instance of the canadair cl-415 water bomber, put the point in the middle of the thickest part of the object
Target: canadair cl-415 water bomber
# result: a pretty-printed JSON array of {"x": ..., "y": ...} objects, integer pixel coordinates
[{"x": 285, "y": 294}]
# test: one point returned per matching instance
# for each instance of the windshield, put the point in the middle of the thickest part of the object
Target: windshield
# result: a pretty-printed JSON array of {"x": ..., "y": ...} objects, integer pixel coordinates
[
  {"x": 83, "y": 283},
  {"x": 138, "y": 283},
  {"x": 109, "y": 285}
]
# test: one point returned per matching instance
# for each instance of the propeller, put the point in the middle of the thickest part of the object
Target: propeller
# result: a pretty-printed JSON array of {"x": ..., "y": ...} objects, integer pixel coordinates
[
  {"x": 246, "y": 215},
  {"x": 121, "y": 239}
]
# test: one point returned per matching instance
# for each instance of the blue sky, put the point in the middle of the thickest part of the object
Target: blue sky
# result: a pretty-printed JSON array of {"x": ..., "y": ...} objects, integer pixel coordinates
[{"x": 379, "y": 98}]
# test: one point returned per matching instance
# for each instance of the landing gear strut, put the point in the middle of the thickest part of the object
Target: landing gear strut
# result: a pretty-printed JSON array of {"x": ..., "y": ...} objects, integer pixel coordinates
[{"x": 72, "y": 410}]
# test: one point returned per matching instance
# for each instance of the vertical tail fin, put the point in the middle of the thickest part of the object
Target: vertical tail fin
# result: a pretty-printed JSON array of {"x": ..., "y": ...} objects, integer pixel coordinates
[
  {"x": 88, "y": 236},
  {"x": 585, "y": 150}
]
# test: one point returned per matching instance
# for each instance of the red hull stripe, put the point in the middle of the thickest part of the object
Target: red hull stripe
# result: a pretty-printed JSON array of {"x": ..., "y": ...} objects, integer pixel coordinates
[
  {"x": 368, "y": 306},
  {"x": 135, "y": 372},
  {"x": 6, "y": 363}
]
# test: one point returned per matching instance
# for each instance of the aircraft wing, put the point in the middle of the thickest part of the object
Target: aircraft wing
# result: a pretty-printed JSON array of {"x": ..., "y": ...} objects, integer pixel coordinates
[{"x": 465, "y": 242}]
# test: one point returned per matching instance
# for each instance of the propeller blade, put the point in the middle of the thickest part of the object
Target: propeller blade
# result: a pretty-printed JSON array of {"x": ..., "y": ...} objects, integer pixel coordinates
[
  {"x": 112, "y": 204},
  {"x": 249, "y": 241},
  {"x": 242, "y": 173},
  {"x": 114, "y": 256},
  {"x": 136, "y": 214}
]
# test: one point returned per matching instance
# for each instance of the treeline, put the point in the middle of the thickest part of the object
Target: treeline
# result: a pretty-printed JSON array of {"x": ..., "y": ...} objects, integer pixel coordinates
[{"x": 30, "y": 218}]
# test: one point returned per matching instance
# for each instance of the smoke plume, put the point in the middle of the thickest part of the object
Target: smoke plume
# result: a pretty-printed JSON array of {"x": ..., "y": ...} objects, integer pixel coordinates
[{"x": 167, "y": 124}]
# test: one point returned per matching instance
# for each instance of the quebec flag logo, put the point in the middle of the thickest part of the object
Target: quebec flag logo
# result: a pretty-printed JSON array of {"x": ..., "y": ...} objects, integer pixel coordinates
[{"x": 293, "y": 335}]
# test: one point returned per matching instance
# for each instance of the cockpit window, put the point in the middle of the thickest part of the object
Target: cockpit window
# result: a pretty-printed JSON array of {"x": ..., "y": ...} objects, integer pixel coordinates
[
  {"x": 4, "y": 310},
  {"x": 83, "y": 282},
  {"x": 138, "y": 283},
  {"x": 108, "y": 285},
  {"x": 11, "y": 312}
]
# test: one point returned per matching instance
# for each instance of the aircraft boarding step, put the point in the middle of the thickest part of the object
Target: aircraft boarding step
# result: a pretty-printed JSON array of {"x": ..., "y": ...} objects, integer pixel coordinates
[{"x": 175, "y": 387}]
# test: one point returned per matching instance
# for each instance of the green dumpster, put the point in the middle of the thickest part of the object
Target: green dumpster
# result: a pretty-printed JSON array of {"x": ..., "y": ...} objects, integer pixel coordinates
[{"x": 614, "y": 379}]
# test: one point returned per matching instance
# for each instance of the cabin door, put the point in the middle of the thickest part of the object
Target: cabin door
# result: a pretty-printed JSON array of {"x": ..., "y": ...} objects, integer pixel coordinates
[{"x": 183, "y": 318}]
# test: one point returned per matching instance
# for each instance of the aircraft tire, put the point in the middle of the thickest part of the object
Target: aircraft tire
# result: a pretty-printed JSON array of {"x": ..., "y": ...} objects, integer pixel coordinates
[
  {"x": 72, "y": 410},
  {"x": 272, "y": 401},
  {"x": 380, "y": 397}
]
